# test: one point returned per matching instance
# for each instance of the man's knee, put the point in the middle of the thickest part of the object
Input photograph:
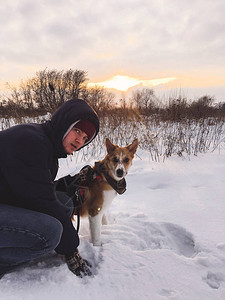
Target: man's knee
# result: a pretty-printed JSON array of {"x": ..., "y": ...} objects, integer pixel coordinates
[
  {"x": 33, "y": 230},
  {"x": 53, "y": 233}
]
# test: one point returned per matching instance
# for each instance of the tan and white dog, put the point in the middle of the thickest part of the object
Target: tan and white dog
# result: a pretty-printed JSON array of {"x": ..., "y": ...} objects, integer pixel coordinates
[{"x": 108, "y": 182}]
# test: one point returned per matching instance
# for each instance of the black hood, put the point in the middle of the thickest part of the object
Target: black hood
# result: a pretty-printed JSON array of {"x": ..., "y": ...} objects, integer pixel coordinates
[{"x": 68, "y": 113}]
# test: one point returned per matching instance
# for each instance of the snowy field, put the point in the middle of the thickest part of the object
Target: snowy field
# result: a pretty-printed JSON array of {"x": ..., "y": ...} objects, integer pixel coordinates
[{"x": 165, "y": 239}]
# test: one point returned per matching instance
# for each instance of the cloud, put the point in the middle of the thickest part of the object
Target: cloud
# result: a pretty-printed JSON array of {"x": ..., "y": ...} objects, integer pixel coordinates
[
  {"x": 123, "y": 83},
  {"x": 144, "y": 39}
]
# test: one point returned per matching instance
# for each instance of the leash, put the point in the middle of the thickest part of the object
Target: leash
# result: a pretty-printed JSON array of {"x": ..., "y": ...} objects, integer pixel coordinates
[
  {"x": 76, "y": 188},
  {"x": 81, "y": 181}
]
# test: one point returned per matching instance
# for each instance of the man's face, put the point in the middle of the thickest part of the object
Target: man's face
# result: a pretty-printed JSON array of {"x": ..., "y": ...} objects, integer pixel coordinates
[{"x": 74, "y": 140}]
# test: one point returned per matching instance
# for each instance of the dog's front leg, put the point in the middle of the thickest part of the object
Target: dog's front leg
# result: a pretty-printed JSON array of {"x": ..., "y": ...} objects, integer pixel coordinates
[{"x": 95, "y": 229}]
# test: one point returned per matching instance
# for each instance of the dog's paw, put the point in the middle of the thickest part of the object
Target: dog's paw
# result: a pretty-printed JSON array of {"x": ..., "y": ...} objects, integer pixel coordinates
[
  {"x": 104, "y": 220},
  {"x": 97, "y": 243}
]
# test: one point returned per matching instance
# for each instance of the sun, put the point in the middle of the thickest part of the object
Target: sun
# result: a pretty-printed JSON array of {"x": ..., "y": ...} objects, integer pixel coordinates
[
  {"x": 123, "y": 83},
  {"x": 118, "y": 82}
]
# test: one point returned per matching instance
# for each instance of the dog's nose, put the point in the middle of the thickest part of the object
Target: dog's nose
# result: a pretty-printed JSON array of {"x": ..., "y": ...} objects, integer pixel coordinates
[{"x": 119, "y": 173}]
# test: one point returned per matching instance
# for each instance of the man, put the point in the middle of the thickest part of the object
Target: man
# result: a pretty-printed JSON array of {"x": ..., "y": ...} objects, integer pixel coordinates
[{"x": 33, "y": 219}]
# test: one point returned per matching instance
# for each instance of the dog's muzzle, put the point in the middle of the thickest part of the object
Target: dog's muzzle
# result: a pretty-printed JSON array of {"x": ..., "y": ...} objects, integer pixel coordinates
[{"x": 120, "y": 173}]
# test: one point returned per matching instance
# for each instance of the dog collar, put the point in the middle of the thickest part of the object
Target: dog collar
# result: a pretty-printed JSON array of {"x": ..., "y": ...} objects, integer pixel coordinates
[{"x": 118, "y": 186}]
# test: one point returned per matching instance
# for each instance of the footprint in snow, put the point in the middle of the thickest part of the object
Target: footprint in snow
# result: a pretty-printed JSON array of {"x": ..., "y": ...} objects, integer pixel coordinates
[
  {"x": 158, "y": 186},
  {"x": 214, "y": 279},
  {"x": 171, "y": 236},
  {"x": 141, "y": 234}
]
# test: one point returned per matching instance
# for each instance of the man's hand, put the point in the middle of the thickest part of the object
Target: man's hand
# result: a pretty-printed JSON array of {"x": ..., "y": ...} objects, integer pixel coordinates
[
  {"x": 82, "y": 179},
  {"x": 79, "y": 266}
]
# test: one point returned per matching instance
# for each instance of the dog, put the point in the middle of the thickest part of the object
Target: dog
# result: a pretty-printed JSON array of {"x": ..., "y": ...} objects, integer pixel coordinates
[{"x": 109, "y": 181}]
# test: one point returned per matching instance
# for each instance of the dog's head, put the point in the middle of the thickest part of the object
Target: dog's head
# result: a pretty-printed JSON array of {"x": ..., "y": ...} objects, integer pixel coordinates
[{"x": 119, "y": 159}]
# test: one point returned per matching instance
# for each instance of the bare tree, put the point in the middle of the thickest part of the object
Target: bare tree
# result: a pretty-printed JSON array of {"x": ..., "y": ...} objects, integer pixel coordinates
[
  {"x": 145, "y": 100},
  {"x": 49, "y": 89},
  {"x": 202, "y": 107},
  {"x": 98, "y": 98}
]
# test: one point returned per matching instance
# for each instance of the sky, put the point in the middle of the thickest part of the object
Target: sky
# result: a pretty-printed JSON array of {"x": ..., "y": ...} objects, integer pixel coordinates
[{"x": 177, "y": 44}]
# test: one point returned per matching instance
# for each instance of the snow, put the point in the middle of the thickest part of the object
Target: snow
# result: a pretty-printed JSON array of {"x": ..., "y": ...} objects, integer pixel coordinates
[{"x": 164, "y": 239}]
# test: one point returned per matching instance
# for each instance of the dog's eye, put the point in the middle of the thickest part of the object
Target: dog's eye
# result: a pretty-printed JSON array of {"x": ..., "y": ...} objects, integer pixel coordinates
[
  {"x": 115, "y": 159},
  {"x": 126, "y": 160}
]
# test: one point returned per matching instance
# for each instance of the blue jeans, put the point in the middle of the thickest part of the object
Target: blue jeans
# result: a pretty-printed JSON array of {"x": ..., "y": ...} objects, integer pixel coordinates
[{"x": 26, "y": 234}]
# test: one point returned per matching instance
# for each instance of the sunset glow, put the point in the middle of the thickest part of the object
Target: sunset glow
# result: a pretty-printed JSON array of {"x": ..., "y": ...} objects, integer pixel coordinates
[
  {"x": 123, "y": 83},
  {"x": 136, "y": 52}
]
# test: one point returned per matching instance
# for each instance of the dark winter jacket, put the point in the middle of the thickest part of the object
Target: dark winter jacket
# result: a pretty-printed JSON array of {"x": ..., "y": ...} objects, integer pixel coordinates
[{"x": 29, "y": 162}]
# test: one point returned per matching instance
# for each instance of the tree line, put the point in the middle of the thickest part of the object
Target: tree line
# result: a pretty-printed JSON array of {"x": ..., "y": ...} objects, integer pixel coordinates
[{"x": 50, "y": 88}]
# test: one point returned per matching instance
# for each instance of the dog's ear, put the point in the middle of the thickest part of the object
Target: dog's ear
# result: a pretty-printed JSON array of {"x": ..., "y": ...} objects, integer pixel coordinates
[
  {"x": 133, "y": 147},
  {"x": 109, "y": 146}
]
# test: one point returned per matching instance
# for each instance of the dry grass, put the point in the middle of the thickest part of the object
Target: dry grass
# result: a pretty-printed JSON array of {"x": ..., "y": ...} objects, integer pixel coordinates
[{"x": 178, "y": 128}]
